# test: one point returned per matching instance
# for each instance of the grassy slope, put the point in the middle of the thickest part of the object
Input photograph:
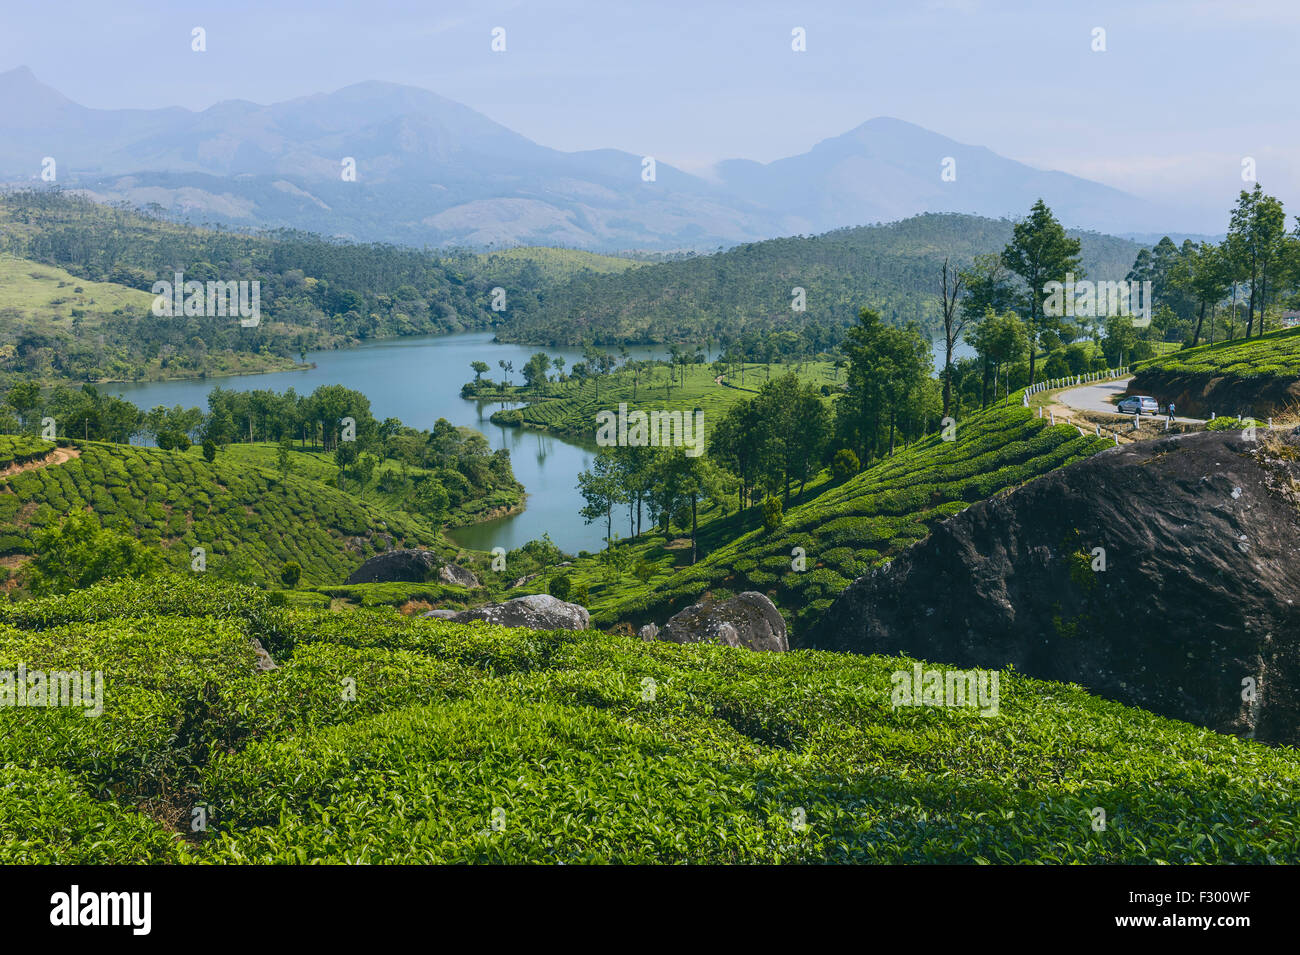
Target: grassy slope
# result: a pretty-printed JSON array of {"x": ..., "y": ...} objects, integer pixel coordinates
[
  {"x": 845, "y": 530},
  {"x": 49, "y": 293},
  {"x": 176, "y": 501},
  {"x": 570, "y": 408},
  {"x": 478, "y": 744}
]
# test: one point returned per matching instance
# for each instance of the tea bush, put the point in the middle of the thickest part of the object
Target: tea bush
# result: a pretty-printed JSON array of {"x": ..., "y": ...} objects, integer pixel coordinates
[
  {"x": 382, "y": 738},
  {"x": 251, "y": 521},
  {"x": 1273, "y": 355}
]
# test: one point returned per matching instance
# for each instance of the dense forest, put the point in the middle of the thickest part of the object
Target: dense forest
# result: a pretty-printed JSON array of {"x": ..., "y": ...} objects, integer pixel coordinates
[{"x": 754, "y": 289}]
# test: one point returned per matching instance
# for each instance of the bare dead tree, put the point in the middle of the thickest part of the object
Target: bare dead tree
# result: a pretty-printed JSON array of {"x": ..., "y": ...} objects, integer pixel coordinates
[{"x": 951, "y": 285}]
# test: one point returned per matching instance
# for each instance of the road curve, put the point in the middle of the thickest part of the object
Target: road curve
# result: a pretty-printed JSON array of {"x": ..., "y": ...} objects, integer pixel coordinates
[{"x": 1101, "y": 397}]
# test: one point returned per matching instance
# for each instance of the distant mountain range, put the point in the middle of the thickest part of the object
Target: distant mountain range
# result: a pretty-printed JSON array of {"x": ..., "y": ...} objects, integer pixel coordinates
[{"x": 430, "y": 171}]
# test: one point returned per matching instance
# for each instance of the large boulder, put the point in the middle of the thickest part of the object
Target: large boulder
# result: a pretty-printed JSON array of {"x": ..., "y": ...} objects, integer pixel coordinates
[
  {"x": 406, "y": 566},
  {"x": 1163, "y": 574},
  {"x": 747, "y": 620},
  {"x": 455, "y": 574},
  {"x": 534, "y": 612},
  {"x": 410, "y": 566}
]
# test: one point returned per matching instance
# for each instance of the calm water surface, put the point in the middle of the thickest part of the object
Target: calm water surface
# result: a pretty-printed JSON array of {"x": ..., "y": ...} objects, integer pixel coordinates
[{"x": 418, "y": 380}]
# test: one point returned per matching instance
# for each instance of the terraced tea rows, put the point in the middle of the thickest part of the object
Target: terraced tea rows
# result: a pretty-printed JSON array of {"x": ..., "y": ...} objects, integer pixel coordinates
[
  {"x": 17, "y": 449},
  {"x": 387, "y": 739},
  {"x": 249, "y": 520},
  {"x": 571, "y": 408},
  {"x": 1275, "y": 355},
  {"x": 846, "y": 530}
]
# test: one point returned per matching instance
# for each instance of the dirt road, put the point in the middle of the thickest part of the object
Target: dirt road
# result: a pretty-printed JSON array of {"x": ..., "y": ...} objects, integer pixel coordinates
[{"x": 57, "y": 456}]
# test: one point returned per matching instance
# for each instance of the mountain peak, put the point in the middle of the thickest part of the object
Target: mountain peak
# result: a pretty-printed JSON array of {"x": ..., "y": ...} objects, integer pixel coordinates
[{"x": 27, "y": 97}]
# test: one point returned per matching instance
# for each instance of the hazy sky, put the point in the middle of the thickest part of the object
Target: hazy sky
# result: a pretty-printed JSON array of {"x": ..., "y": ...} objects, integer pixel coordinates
[{"x": 1184, "y": 90}]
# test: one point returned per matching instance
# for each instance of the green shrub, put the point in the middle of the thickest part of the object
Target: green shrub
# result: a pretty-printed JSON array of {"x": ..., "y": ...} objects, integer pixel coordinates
[
  {"x": 772, "y": 513},
  {"x": 844, "y": 465},
  {"x": 560, "y": 586},
  {"x": 291, "y": 574},
  {"x": 79, "y": 552},
  {"x": 383, "y": 738}
]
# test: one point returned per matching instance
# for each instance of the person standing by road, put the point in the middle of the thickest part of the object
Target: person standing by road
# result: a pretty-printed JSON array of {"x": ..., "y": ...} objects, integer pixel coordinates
[{"x": 1171, "y": 412}]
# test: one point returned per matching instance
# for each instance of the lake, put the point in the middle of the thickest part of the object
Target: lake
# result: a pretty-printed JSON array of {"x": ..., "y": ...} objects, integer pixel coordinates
[{"x": 418, "y": 380}]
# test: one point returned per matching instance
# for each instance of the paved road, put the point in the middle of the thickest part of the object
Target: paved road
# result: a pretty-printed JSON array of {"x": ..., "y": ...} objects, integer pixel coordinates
[{"x": 1101, "y": 397}]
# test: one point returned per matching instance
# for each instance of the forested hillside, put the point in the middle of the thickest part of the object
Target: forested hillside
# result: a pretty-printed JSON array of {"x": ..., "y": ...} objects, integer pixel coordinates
[
  {"x": 891, "y": 268},
  {"x": 314, "y": 292}
]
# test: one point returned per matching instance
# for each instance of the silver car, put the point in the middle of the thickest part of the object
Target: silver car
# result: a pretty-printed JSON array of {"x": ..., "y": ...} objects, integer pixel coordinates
[{"x": 1138, "y": 404}]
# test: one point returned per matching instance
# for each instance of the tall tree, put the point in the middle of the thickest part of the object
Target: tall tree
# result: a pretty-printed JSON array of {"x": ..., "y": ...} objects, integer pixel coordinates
[
  {"x": 23, "y": 397},
  {"x": 599, "y": 487},
  {"x": 988, "y": 288},
  {"x": 1000, "y": 339},
  {"x": 685, "y": 482},
  {"x": 1040, "y": 252},
  {"x": 1255, "y": 246},
  {"x": 1203, "y": 276}
]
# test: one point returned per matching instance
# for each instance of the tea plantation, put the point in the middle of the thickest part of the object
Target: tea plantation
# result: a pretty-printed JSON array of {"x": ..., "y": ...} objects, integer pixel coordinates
[
  {"x": 17, "y": 450},
  {"x": 571, "y": 407},
  {"x": 846, "y": 530},
  {"x": 249, "y": 520},
  {"x": 1274, "y": 355},
  {"x": 382, "y": 738}
]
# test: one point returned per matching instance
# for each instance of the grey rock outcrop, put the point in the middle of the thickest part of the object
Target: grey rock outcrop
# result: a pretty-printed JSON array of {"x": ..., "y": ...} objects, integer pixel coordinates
[
  {"x": 457, "y": 575},
  {"x": 533, "y": 612},
  {"x": 747, "y": 620},
  {"x": 264, "y": 662},
  {"x": 1199, "y": 538},
  {"x": 411, "y": 566}
]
